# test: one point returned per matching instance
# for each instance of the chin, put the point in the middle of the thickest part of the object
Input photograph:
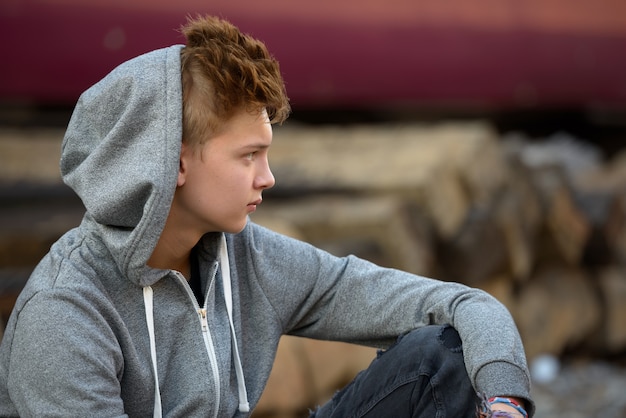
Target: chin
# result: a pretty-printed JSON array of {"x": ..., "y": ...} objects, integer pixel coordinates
[{"x": 236, "y": 228}]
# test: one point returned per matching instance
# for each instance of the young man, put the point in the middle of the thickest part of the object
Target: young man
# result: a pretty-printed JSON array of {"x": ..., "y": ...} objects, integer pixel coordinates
[{"x": 167, "y": 300}]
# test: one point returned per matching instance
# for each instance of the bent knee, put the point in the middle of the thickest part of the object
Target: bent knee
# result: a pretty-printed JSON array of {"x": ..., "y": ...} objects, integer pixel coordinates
[{"x": 431, "y": 340}]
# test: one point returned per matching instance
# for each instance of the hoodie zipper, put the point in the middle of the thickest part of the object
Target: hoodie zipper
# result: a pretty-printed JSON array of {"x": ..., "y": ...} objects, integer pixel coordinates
[{"x": 206, "y": 335}]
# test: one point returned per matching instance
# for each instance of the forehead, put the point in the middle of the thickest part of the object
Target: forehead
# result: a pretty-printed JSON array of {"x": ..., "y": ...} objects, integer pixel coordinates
[{"x": 244, "y": 129}]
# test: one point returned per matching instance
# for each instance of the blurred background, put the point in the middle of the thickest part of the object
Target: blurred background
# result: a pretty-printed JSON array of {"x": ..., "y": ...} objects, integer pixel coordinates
[
  {"x": 474, "y": 141},
  {"x": 375, "y": 59}
]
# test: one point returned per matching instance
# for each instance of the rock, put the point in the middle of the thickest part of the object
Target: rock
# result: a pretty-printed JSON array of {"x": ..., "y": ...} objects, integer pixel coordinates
[
  {"x": 289, "y": 388},
  {"x": 444, "y": 168},
  {"x": 611, "y": 335},
  {"x": 307, "y": 373},
  {"x": 557, "y": 308},
  {"x": 30, "y": 155},
  {"x": 379, "y": 228}
]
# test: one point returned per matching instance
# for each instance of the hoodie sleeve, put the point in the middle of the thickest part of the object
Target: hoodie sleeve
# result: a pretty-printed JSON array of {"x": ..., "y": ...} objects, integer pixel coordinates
[
  {"x": 349, "y": 299},
  {"x": 60, "y": 370}
]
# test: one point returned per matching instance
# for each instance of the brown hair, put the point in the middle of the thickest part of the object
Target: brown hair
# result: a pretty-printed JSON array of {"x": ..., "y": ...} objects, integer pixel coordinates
[{"x": 223, "y": 71}]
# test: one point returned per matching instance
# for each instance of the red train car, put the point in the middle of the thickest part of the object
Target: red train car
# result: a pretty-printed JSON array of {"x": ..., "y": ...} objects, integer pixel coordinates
[{"x": 502, "y": 54}]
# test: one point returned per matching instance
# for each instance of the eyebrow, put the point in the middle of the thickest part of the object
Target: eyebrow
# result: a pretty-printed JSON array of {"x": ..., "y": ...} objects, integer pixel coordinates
[{"x": 256, "y": 146}]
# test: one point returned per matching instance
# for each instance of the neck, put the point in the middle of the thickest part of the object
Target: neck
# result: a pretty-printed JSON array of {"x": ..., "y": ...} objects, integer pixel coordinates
[
  {"x": 171, "y": 258},
  {"x": 172, "y": 251},
  {"x": 175, "y": 243}
]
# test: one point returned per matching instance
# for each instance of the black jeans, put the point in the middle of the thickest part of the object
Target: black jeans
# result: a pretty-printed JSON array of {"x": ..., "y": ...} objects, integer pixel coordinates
[{"x": 423, "y": 375}]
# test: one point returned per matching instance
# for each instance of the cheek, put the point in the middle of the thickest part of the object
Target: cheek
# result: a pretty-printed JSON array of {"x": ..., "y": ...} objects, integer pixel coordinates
[
  {"x": 234, "y": 180},
  {"x": 223, "y": 192}
]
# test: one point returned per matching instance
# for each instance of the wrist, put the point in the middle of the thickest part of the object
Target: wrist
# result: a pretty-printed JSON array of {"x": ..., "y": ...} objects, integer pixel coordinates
[{"x": 508, "y": 404}]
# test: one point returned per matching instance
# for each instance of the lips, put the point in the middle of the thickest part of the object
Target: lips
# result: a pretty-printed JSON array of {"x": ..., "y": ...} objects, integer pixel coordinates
[{"x": 252, "y": 206}]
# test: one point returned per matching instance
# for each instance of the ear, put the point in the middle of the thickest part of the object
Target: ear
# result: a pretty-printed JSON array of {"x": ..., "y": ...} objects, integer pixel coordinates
[{"x": 185, "y": 155}]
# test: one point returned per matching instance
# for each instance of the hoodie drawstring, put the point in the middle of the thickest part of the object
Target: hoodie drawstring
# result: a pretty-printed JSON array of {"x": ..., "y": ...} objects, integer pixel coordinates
[
  {"x": 148, "y": 302},
  {"x": 244, "y": 405}
]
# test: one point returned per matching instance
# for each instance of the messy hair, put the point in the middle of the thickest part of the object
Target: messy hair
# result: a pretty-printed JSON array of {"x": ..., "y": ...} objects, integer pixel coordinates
[{"x": 224, "y": 71}]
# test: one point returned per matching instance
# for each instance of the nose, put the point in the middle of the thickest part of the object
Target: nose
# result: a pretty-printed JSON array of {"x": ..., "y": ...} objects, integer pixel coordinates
[{"x": 265, "y": 179}]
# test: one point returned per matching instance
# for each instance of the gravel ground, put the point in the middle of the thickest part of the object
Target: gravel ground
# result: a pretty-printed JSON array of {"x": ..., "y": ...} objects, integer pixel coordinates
[{"x": 583, "y": 389}]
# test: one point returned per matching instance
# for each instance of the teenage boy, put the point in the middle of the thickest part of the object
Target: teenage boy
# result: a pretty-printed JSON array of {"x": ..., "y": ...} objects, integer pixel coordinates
[{"x": 167, "y": 300}]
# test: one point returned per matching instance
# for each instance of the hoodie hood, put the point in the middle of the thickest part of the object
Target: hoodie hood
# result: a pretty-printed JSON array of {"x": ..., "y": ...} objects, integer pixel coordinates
[{"x": 121, "y": 152}]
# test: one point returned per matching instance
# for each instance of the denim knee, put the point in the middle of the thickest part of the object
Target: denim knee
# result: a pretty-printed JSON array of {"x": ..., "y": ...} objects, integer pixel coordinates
[
  {"x": 422, "y": 375},
  {"x": 437, "y": 342}
]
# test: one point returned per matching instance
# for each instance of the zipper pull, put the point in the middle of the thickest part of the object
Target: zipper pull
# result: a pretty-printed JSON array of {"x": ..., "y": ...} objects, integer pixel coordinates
[{"x": 203, "y": 320}]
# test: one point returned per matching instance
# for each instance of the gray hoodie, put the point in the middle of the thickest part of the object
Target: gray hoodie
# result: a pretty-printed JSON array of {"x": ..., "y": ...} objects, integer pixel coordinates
[{"x": 98, "y": 332}]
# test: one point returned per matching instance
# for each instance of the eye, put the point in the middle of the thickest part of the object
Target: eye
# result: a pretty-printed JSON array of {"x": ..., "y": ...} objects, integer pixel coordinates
[{"x": 250, "y": 155}]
